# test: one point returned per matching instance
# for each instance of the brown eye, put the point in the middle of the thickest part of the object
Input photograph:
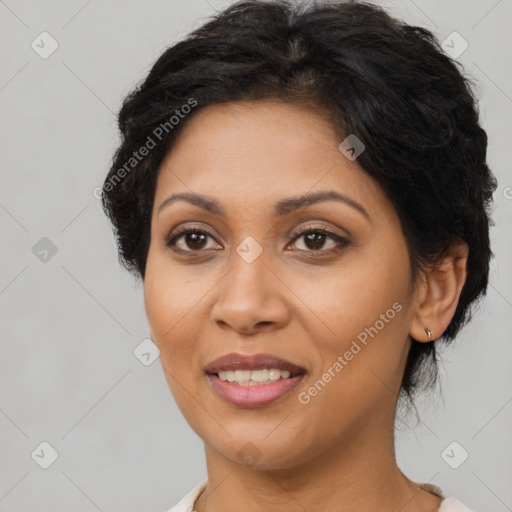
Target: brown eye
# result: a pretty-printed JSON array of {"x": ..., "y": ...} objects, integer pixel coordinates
[
  {"x": 315, "y": 239},
  {"x": 191, "y": 240},
  {"x": 195, "y": 240}
]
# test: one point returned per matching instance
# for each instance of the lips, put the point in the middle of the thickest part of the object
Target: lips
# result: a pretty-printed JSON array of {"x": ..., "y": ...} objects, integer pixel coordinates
[
  {"x": 235, "y": 361},
  {"x": 249, "y": 397},
  {"x": 256, "y": 395}
]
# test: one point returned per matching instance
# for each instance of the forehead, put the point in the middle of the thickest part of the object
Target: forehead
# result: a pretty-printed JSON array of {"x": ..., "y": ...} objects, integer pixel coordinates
[{"x": 254, "y": 153}]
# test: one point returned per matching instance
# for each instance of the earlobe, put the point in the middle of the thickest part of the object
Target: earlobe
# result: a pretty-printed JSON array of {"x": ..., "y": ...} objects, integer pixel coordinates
[{"x": 439, "y": 293}]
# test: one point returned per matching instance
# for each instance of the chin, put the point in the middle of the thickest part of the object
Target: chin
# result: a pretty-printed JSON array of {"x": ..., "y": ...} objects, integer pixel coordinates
[{"x": 263, "y": 451}]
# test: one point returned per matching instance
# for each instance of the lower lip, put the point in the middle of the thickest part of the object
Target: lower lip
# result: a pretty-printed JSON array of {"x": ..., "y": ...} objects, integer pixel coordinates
[{"x": 254, "y": 396}]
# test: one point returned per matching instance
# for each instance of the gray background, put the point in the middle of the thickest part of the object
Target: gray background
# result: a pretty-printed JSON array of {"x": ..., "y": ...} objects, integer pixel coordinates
[{"x": 68, "y": 374}]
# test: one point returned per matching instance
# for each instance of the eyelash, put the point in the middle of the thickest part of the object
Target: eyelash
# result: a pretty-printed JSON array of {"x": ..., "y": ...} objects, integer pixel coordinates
[{"x": 341, "y": 242}]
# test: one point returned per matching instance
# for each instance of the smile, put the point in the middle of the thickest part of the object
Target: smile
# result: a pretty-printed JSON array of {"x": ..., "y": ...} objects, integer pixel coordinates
[
  {"x": 254, "y": 394},
  {"x": 253, "y": 377},
  {"x": 254, "y": 380}
]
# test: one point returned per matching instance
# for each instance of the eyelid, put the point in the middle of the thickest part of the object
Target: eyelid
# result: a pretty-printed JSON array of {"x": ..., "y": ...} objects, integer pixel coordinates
[
  {"x": 340, "y": 240},
  {"x": 316, "y": 227},
  {"x": 294, "y": 232}
]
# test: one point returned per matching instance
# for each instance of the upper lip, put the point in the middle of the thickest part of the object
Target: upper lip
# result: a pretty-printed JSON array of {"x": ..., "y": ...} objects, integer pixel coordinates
[{"x": 235, "y": 361}]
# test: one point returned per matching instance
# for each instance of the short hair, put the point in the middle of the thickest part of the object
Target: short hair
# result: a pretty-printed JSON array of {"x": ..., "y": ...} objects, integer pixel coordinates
[{"x": 374, "y": 76}]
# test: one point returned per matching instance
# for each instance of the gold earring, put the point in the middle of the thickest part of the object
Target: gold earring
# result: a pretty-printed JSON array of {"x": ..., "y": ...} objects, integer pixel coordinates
[{"x": 429, "y": 333}]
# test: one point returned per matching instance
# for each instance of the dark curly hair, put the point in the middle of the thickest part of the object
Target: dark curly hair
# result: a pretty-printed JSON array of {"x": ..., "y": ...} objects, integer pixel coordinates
[{"x": 374, "y": 76}]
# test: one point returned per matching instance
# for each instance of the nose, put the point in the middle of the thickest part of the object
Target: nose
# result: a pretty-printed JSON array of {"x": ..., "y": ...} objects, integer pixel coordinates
[{"x": 251, "y": 297}]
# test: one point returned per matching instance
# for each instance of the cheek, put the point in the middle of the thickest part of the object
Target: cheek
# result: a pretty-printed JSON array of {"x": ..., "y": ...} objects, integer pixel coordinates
[
  {"x": 170, "y": 306},
  {"x": 171, "y": 298},
  {"x": 353, "y": 296},
  {"x": 169, "y": 292},
  {"x": 362, "y": 311}
]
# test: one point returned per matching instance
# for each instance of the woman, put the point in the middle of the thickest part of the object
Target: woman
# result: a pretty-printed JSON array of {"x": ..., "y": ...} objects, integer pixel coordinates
[{"x": 303, "y": 190}]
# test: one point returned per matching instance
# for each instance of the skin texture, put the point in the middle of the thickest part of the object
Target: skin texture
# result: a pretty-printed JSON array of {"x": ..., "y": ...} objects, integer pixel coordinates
[{"x": 296, "y": 301}]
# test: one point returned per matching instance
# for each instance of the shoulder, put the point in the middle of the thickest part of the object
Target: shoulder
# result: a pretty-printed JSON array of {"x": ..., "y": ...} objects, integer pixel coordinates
[
  {"x": 186, "y": 504},
  {"x": 453, "y": 505},
  {"x": 450, "y": 504}
]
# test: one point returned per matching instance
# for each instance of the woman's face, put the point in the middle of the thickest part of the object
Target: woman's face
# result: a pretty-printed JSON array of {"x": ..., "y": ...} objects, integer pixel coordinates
[{"x": 337, "y": 303}]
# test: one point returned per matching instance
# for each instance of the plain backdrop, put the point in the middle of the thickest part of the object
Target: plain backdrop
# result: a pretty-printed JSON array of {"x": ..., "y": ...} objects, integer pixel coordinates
[{"x": 72, "y": 317}]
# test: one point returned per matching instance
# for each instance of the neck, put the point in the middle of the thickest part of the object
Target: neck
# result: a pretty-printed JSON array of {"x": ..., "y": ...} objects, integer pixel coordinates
[{"x": 360, "y": 475}]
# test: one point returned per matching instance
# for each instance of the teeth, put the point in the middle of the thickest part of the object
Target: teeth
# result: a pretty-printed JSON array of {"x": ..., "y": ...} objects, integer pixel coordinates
[{"x": 253, "y": 377}]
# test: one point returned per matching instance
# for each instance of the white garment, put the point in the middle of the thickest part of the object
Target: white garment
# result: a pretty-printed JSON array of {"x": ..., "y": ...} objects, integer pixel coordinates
[{"x": 186, "y": 504}]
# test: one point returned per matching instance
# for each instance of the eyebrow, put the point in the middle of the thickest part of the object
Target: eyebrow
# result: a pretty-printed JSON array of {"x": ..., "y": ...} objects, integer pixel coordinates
[{"x": 281, "y": 208}]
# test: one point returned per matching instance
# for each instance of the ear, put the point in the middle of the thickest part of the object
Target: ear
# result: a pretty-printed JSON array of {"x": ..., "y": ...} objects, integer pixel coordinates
[{"x": 438, "y": 293}]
